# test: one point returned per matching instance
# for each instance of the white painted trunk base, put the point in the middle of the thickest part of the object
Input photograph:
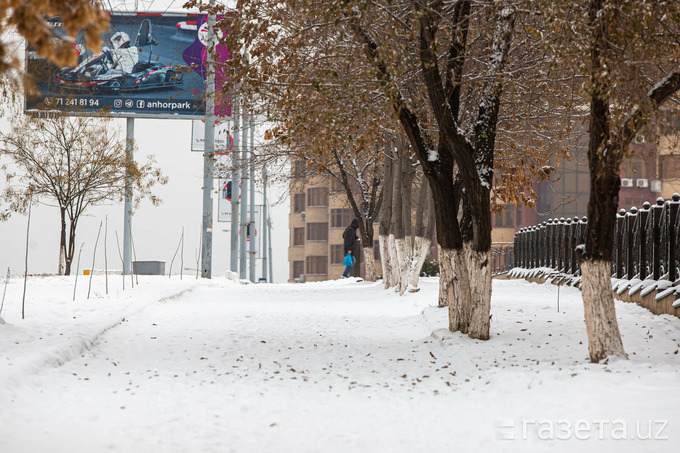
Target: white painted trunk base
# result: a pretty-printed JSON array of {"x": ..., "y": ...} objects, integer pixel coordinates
[
  {"x": 385, "y": 260},
  {"x": 404, "y": 267},
  {"x": 420, "y": 249},
  {"x": 394, "y": 262},
  {"x": 604, "y": 338},
  {"x": 468, "y": 277},
  {"x": 369, "y": 263},
  {"x": 62, "y": 260}
]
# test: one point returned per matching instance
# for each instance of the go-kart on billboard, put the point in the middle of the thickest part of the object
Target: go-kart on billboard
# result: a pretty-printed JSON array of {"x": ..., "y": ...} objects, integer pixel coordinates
[{"x": 151, "y": 65}]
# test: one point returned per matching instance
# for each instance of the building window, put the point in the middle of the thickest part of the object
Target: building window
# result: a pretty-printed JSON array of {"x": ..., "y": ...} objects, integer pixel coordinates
[
  {"x": 505, "y": 218},
  {"x": 298, "y": 237},
  {"x": 519, "y": 216},
  {"x": 376, "y": 250},
  {"x": 299, "y": 202},
  {"x": 299, "y": 167},
  {"x": 298, "y": 268},
  {"x": 636, "y": 168},
  {"x": 317, "y": 265},
  {"x": 340, "y": 218},
  {"x": 317, "y": 231},
  {"x": 669, "y": 123},
  {"x": 317, "y": 196},
  {"x": 337, "y": 255},
  {"x": 670, "y": 166}
]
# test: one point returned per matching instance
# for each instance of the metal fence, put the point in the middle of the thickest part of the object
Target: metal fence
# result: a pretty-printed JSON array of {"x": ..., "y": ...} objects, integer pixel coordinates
[
  {"x": 502, "y": 258},
  {"x": 646, "y": 244}
]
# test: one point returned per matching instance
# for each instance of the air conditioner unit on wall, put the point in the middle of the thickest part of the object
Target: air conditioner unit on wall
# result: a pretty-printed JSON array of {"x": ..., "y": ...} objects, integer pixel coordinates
[
  {"x": 656, "y": 186},
  {"x": 626, "y": 182},
  {"x": 642, "y": 183}
]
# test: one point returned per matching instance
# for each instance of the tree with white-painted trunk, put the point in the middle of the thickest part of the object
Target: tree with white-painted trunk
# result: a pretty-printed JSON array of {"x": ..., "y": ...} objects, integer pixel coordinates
[
  {"x": 361, "y": 177},
  {"x": 466, "y": 264},
  {"x": 397, "y": 242},
  {"x": 423, "y": 231},
  {"x": 440, "y": 68},
  {"x": 405, "y": 238},
  {"x": 604, "y": 37},
  {"x": 401, "y": 218},
  {"x": 386, "y": 220}
]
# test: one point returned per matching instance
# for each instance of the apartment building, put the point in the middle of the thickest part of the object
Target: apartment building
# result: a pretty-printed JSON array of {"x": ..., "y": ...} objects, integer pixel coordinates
[
  {"x": 650, "y": 170},
  {"x": 320, "y": 211},
  {"x": 319, "y": 214}
]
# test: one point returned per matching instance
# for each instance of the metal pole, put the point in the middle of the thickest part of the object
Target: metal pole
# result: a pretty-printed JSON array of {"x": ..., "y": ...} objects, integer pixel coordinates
[
  {"x": 264, "y": 223},
  {"x": 235, "y": 191},
  {"x": 244, "y": 197},
  {"x": 208, "y": 161},
  {"x": 127, "y": 216},
  {"x": 251, "y": 261},
  {"x": 271, "y": 260}
]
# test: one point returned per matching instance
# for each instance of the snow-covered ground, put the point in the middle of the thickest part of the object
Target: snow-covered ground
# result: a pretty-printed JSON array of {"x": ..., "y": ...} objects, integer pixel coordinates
[{"x": 212, "y": 366}]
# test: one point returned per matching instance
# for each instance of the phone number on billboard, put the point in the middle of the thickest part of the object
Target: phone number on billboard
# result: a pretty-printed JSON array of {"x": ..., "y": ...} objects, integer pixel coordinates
[{"x": 72, "y": 102}]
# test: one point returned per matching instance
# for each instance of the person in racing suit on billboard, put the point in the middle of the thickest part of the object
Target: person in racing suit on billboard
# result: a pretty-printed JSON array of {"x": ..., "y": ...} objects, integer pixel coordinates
[{"x": 123, "y": 55}]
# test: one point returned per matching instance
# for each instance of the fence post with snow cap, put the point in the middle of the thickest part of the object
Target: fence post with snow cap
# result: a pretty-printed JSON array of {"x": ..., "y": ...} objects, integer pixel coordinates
[{"x": 645, "y": 256}]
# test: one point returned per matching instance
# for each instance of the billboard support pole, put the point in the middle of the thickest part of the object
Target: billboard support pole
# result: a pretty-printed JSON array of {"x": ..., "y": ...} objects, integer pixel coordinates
[
  {"x": 235, "y": 190},
  {"x": 208, "y": 162},
  {"x": 251, "y": 261},
  {"x": 269, "y": 248},
  {"x": 264, "y": 223},
  {"x": 127, "y": 216},
  {"x": 244, "y": 197}
]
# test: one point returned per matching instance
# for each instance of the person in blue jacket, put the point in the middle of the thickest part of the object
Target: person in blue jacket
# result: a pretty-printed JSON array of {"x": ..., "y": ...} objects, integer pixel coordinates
[{"x": 349, "y": 237}]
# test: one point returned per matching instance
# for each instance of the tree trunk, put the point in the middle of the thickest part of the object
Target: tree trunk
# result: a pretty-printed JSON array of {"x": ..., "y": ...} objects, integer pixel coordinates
[
  {"x": 604, "y": 338},
  {"x": 407, "y": 177},
  {"x": 69, "y": 257},
  {"x": 397, "y": 240},
  {"x": 401, "y": 219},
  {"x": 385, "y": 222},
  {"x": 367, "y": 238},
  {"x": 62, "y": 242},
  {"x": 71, "y": 245},
  {"x": 424, "y": 229},
  {"x": 444, "y": 295},
  {"x": 469, "y": 291},
  {"x": 356, "y": 269},
  {"x": 421, "y": 246},
  {"x": 369, "y": 263}
]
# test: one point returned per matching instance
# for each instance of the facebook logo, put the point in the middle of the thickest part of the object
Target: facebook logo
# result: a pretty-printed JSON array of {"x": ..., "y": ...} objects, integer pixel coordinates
[{"x": 140, "y": 104}]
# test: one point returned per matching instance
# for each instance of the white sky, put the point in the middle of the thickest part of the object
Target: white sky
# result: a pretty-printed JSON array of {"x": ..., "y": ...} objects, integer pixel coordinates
[{"x": 156, "y": 230}]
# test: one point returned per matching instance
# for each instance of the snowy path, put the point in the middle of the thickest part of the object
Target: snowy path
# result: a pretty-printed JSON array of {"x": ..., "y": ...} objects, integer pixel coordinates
[{"x": 344, "y": 366}]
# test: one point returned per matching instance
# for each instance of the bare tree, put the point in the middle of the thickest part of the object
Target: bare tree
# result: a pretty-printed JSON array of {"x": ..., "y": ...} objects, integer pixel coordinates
[{"x": 71, "y": 163}]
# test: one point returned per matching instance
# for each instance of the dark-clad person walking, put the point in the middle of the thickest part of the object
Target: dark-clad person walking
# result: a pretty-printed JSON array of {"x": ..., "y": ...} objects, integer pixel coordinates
[{"x": 350, "y": 237}]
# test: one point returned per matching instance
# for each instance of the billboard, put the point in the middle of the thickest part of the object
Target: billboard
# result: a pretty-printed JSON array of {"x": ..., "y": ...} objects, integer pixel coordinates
[
  {"x": 224, "y": 142},
  {"x": 151, "y": 65}
]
